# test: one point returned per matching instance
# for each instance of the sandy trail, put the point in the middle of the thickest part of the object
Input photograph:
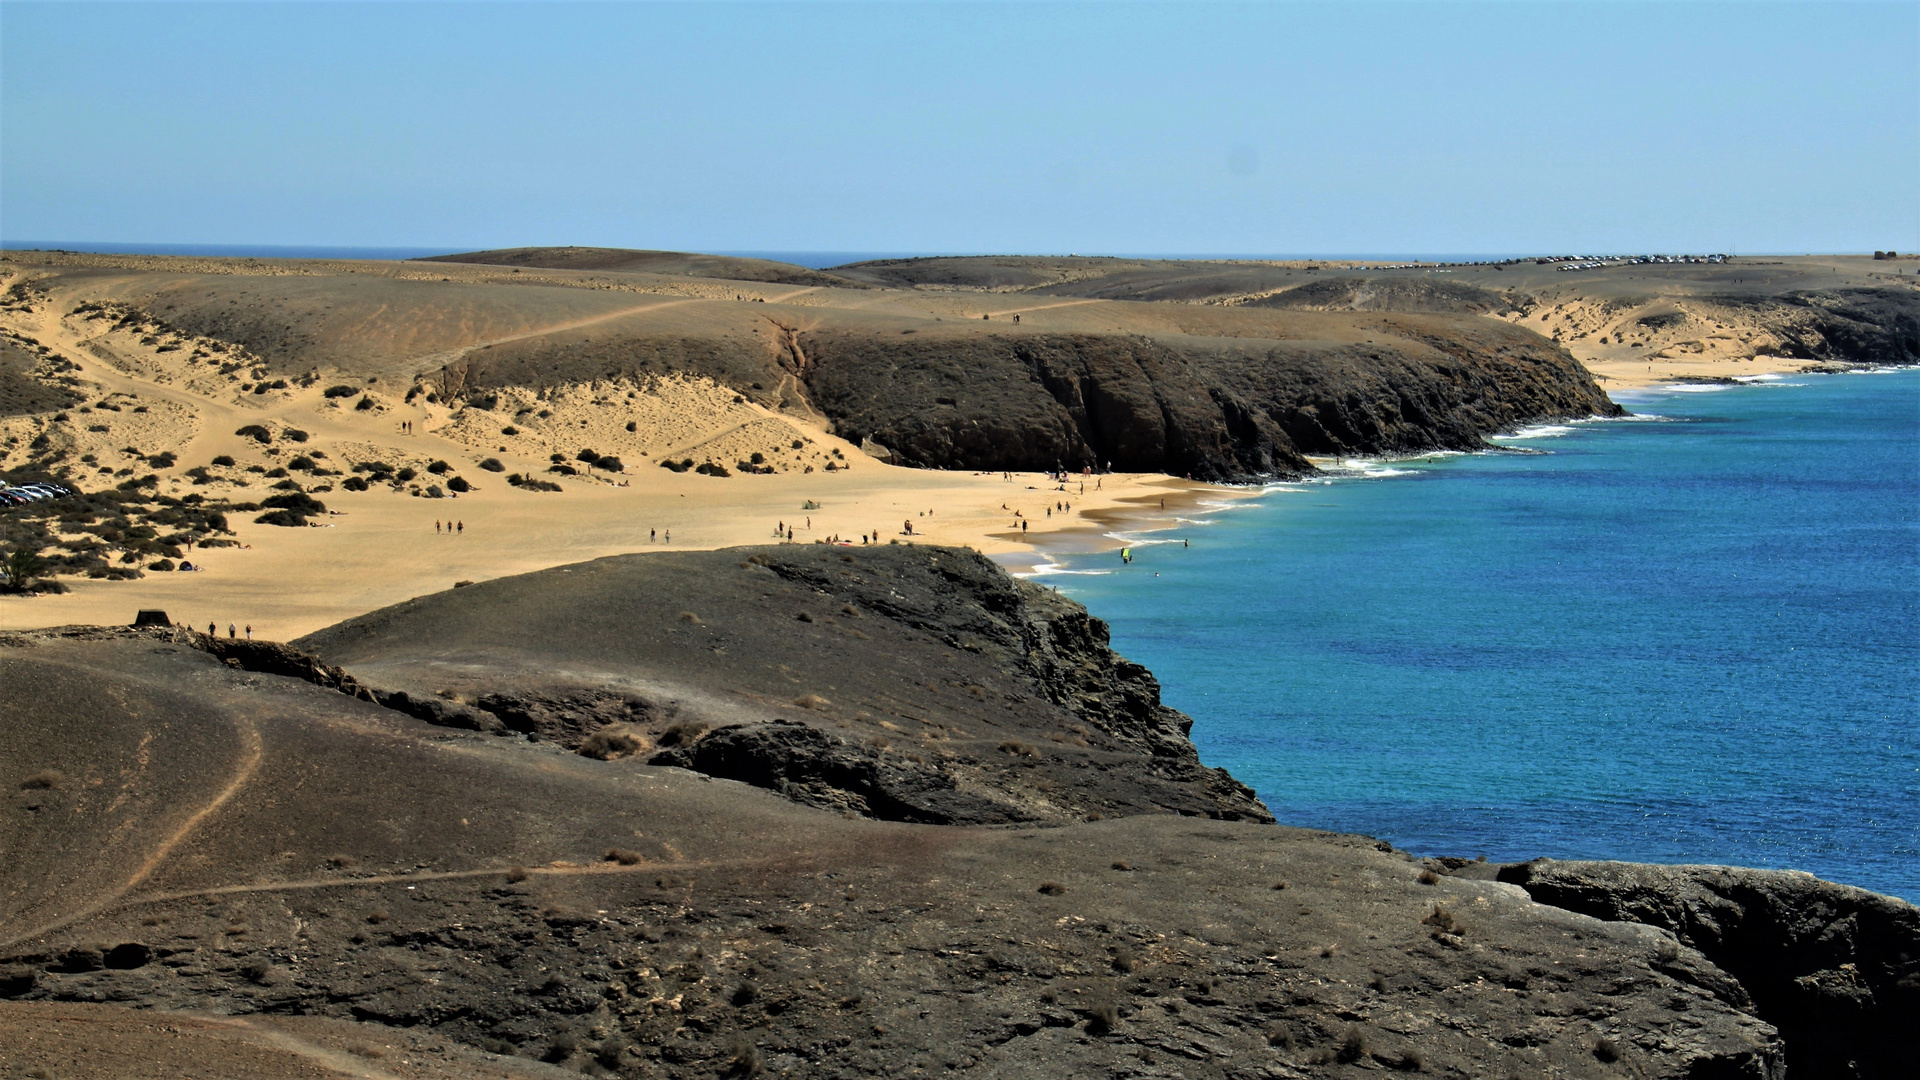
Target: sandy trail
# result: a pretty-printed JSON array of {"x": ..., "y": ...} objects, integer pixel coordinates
[
  {"x": 441, "y": 359},
  {"x": 251, "y": 752}
]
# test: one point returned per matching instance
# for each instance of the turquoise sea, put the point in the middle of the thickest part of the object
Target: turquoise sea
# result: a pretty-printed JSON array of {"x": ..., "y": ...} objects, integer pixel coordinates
[{"x": 1692, "y": 636}]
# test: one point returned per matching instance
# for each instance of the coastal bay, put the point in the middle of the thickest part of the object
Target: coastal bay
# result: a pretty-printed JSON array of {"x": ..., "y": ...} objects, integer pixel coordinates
[{"x": 1687, "y": 636}]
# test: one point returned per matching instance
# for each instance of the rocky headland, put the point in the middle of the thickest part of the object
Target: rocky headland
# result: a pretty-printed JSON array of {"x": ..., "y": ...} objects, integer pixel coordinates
[{"x": 810, "y": 811}]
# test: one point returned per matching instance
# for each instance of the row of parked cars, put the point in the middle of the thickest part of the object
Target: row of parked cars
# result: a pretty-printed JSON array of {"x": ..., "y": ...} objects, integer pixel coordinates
[{"x": 22, "y": 494}]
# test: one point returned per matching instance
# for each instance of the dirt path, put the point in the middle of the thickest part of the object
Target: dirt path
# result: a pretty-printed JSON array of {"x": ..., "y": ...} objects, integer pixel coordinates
[
  {"x": 252, "y": 750},
  {"x": 441, "y": 359},
  {"x": 595, "y": 870}
]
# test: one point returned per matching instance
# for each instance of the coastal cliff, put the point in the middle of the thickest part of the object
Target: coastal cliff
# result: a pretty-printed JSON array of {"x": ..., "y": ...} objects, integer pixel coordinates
[{"x": 1226, "y": 411}]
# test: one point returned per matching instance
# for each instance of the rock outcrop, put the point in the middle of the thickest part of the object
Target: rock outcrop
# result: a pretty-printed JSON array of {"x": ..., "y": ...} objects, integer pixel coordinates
[
  {"x": 1836, "y": 969},
  {"x": 1223, "y": 411}
]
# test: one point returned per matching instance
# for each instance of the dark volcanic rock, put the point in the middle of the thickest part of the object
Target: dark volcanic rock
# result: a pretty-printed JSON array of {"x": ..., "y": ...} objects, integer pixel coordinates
[
  {"x": 936, "y": 687},
  {"x": 810, "y": 766},
  {"x": 1836, "y": 969},
  {"x": 1851, "y": 326},
  {"x": 1228, "y": 410}
]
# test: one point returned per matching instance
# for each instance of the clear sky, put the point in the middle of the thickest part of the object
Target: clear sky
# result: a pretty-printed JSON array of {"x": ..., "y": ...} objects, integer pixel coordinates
[{"x": 1001, "y": 127}]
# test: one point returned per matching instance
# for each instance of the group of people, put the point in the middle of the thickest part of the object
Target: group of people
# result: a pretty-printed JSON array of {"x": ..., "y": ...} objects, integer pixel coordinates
[
  {"x": 451, "y": 526},
  {"x": 654, "y": 535},
  {"x": 213, "y": 630}
]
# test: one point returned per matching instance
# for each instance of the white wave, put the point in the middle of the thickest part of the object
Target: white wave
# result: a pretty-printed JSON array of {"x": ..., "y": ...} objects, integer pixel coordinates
[
  {"x": 1135, "y": 540},
  {"x": 1695, "y": 388},
  {"x": 1764, "y": 377},
  {"x": 1542, "y": 431},
  {"x": 1060, "y": 569}
]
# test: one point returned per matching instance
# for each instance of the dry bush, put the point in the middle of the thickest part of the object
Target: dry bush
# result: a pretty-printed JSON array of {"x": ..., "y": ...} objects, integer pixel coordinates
[
  {"x": 44, "y": 780},
  {"x": 1428, "y": 877},
  {"x": 1018, "y": 749},
  {"x": 1051, "y": 888},
  {"x": 743, "y": 1058},
  {"x": 377, "y": 917},
  {"x": 682, "y": 734},
  {"x": 1442, "y": 921},
  {"x": 612, "y": 741},
  {"x": 1122, "y": 864},
  {"x": 812, "y": 701},
  {"x": 518, "y": 874},
  {"x": 623, "y": 856}
]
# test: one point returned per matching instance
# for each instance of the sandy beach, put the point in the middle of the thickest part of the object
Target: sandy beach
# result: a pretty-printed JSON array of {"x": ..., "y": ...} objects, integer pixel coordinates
[{"x": 381, "y": 546}]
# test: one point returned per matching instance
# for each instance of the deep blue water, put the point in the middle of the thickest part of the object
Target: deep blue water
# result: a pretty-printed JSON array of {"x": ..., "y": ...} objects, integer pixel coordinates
[{"x": 1689, "y": 639}]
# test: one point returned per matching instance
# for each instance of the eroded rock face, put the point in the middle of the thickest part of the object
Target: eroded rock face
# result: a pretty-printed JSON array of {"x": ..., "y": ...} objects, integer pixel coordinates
[
  {"x": 1220, "y": 410},
  {"x": 1836, "y": 969}
]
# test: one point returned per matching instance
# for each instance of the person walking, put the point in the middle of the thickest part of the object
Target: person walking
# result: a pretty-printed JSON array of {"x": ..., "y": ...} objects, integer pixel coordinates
[
  {"x": 462, "y": 526},
  {"x": 652, "y": 535},
  {"x": 436, "y": 526},
  {"x": 213, "y": 630},
  {"x": 249, "y": 631},
  {"x": 232, "y": 631}
]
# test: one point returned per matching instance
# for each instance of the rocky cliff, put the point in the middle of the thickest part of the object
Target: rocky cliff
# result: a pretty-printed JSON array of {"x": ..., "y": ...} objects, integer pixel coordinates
[
  {"x": 1836, "y": 969},
  {"x": 1218, "y": 410}
]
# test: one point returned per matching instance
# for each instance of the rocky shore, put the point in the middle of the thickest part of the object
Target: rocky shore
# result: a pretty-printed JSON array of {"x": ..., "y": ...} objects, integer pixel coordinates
[{"x": 809, "y": 811}]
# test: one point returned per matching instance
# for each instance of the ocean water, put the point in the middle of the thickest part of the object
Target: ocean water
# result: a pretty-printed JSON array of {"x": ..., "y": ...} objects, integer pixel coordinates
[{"x": 1693, "y": 636}]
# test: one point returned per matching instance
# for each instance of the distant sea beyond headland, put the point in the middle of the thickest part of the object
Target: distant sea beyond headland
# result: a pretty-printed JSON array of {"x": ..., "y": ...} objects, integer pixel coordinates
[{"x": 812, "y": 260}]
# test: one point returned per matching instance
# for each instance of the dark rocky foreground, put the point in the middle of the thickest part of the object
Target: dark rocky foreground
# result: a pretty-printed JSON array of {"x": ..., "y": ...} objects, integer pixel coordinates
[{"x": 770, "y": 811}]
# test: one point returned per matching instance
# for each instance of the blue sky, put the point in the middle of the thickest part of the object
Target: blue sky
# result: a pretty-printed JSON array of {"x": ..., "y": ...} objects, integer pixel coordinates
[{"x": 1000, "y": 127}]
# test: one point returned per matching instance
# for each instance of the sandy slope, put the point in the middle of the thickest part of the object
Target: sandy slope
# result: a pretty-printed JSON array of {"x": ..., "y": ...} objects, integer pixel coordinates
[{"x": 381, "y": 546}]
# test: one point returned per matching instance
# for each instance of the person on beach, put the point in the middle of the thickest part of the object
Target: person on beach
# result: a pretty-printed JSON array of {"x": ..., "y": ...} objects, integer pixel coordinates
[
  {"x": 249, "y": 631},
  {"x": 232, "y": 631},
  {"x": 436, "y": 526},
  {"x": 212, "y": 630},
  {"x": 669, "y": 536},
  {"x": 652, "y": 535},
  {"x": 461, "y": 527}
]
